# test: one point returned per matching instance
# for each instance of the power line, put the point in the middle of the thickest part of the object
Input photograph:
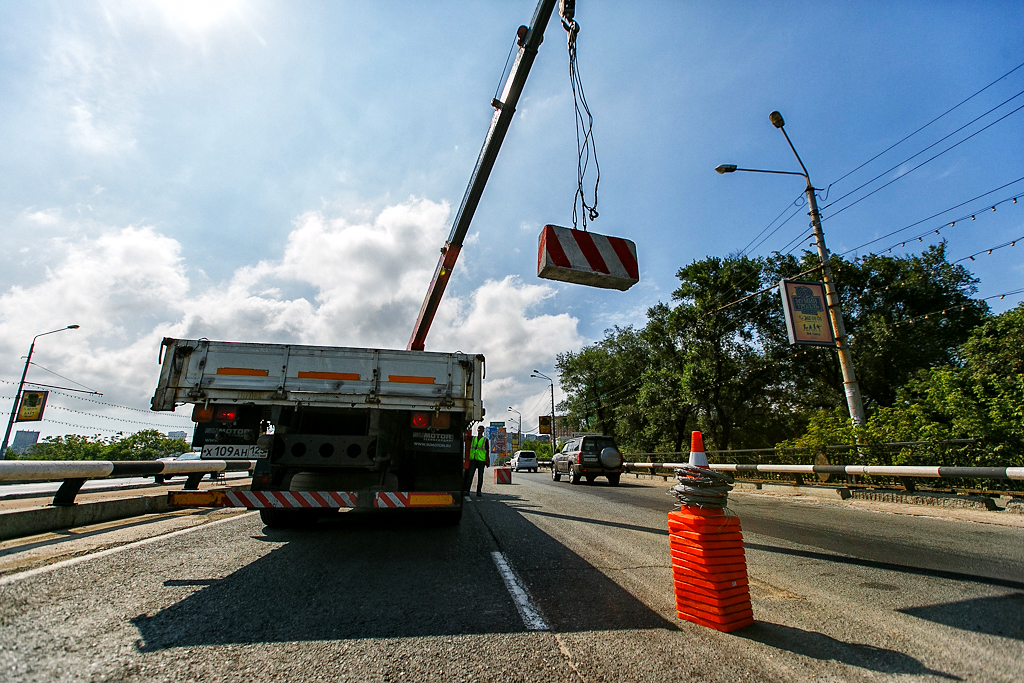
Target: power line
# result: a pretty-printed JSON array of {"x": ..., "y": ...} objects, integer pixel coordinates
[
  {"x": 948, "y": 111},
  {"x": 1011, "y": 243},
  {"x": 916, "y": 154},
  {"x": 788, "y": 207},
  {"x": 963, "y": 307},
  {"x": 932, "y": 158},
  {"x": 936, "y": 215}
]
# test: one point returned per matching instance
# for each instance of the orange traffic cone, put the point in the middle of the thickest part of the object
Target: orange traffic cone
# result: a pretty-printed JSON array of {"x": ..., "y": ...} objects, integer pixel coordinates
[
  {"x": 697, "y": 456},
  {"x": 709, "y": 565}
]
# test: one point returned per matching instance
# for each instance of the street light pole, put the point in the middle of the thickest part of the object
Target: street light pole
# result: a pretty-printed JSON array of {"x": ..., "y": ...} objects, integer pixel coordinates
[
  {"x": 520, "y": 430},
  {"x": 850, "y": 385},
  {"x": 21, "y": 385},
  {"x": 541, "y": 375}
]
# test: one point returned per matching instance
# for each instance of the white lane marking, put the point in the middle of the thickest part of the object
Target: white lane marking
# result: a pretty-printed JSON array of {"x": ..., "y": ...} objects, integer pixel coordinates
[
  {"x": 532, "y": 619},
  {"x": 7, "y": 580}
]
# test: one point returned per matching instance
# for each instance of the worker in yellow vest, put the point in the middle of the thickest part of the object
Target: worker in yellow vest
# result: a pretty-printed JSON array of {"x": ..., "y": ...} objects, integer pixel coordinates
[{"x": 479, "y": 458}]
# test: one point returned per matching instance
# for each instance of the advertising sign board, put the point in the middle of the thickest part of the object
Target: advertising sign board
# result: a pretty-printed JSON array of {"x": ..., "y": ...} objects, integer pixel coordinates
[
  {"x": 545, "y": 424},
  {"x": 32, "y": 405},
  {"x": 806, "y": 313}
]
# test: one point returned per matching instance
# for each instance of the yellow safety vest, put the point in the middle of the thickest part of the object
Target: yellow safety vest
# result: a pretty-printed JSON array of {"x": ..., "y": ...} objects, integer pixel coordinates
[{"x": 478, "y": 448}]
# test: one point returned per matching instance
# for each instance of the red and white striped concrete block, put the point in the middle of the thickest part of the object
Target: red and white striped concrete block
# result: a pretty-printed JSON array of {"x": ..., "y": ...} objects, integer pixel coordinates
[
  {"x": 502, "y": 475},
  {"x": 291, "y": 499},
  {"x": 586, "y": 258}
]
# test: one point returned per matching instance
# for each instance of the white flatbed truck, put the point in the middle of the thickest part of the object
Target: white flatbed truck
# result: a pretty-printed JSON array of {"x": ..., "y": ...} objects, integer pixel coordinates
[{"x": 329, "y": 427}]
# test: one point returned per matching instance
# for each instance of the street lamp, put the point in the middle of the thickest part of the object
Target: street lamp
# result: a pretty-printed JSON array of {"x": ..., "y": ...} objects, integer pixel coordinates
[
  {"x": 540, "y": 375},
  {"x": 520, "y": 430},
  {"x": 852, "y": 388},
  {"x": 21, "y": 385}
]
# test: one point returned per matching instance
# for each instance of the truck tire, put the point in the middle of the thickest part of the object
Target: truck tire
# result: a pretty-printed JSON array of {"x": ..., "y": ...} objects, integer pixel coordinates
[{"x": 555, "y": 476}]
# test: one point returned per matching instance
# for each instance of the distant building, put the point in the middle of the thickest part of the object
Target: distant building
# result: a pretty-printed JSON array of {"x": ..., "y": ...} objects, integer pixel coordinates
[
  {"x": 23, "y": 440},
  {"x": 178, "y": 435}
]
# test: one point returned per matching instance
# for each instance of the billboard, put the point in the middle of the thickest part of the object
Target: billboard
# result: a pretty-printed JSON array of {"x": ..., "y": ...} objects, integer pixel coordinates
[
  {"x": 497, "y": 440},
  {"x": 32, "y": 405},
  {"x": 545, "y": 424},
  {"x": 806, "y": 313}
]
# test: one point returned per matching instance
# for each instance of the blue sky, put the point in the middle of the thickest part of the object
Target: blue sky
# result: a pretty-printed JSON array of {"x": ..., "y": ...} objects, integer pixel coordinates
[{"x": 264, "y": 171}]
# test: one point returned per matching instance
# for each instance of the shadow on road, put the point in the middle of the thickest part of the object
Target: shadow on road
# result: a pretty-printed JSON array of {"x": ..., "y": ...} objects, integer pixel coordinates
[
  {"x": 887, "y": 566},
  {"x": 378, "y": 577},
  {"x": 819, "y": 646},
  {"x": 997, "y": 615}
]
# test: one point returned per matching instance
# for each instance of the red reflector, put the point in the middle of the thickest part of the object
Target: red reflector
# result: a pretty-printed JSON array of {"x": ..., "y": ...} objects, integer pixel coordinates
[
  {"x": 225, "y": 414},
  {"x": 420, "y": 420}
]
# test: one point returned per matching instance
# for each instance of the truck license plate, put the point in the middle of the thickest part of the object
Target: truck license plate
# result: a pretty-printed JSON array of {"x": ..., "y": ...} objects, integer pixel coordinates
[{"x": 232, "y": 452}]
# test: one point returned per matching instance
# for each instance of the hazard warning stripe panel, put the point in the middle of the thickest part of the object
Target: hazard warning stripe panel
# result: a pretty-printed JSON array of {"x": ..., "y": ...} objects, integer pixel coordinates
[
  {"x": 413, "y": 499},
  {"x": 255, "y": 500}
]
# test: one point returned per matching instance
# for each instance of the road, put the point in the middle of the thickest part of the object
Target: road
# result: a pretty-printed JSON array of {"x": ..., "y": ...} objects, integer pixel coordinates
[{"x": 840, "y": 592}]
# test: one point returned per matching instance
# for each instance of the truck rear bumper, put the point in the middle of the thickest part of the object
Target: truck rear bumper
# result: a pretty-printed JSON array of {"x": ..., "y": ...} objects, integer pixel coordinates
[{"x": 256, "y": 500}]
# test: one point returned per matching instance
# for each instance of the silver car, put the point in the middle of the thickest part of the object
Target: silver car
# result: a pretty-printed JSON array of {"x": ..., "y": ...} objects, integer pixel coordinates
[{"x": 524, "y": 460}]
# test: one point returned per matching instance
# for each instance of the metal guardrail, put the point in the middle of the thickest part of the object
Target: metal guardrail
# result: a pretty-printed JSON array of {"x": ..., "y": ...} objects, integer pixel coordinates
[
  {"x": 902, "y": 472},
  {"x": 75, "y": 473}
]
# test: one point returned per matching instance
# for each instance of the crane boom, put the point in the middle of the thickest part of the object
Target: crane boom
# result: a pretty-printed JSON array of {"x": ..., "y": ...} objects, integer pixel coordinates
[{"x": 530, "y": 38}]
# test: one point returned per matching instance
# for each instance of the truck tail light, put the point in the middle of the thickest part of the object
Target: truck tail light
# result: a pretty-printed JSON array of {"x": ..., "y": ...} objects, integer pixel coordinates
[
  {"x": 201, "y": 414},
  {"x": 421, "y": 420},
  {"x": 225, "y": 414}
]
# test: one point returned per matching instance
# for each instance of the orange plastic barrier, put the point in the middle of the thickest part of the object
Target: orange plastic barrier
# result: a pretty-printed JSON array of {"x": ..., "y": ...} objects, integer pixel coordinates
[{"x": 709, "y": 568}]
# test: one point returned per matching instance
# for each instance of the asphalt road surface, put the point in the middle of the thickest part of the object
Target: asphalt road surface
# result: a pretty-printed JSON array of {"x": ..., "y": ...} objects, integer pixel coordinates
[{"x": 840, "y": 592}]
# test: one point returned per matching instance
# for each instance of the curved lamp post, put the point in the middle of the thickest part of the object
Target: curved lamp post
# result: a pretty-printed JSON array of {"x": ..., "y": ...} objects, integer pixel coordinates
[
  {"x": 850, "y": 385},
  {"x": 520, "y": 430},
  {"x": 540, "y": 375},
  {"x": 21, "y": 385}
]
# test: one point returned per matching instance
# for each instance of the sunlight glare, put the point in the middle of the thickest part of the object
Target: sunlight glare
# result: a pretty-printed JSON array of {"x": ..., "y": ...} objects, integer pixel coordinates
[{"x": 197, "y": 15}]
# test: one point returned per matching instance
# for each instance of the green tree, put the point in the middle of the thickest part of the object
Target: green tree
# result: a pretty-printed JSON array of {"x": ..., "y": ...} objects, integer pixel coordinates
[{"x": 148, "y": 444}]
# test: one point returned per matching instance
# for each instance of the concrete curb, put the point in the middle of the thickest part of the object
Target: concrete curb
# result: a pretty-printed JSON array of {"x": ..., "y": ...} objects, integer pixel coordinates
[
  {"x": 1015, "y": 506},
  {"x": 21, "y": 523},
  {"x": 947, "y": 500}
]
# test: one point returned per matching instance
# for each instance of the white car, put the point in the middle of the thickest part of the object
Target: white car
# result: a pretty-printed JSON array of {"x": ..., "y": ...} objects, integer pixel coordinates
[{"x": 524, "y": 460}]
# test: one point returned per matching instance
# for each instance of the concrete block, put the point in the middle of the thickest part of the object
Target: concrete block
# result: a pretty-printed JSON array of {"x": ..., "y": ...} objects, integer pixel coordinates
[{"x": 1015, "y": 506}]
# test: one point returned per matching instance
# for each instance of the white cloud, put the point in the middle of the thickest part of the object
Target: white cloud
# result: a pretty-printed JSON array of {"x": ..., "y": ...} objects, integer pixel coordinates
[{"x": 337, "y": 282}]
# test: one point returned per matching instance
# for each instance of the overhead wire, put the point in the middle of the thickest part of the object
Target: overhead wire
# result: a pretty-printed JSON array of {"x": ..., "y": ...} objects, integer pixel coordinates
[
  {"x": 936, "y": 215},
  {"x": 1010, "y": 243},
  {"x": 962, "y": 307},
  {"x": 784, "y": 211},
  {"x": 907, "y": 137},
  {"x": 926, "y": 161},
  {"x": 66, "y": 379}
]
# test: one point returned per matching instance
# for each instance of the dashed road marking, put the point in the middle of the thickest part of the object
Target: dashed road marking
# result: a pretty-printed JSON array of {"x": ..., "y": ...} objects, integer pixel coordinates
[{"x": 530, "y": 615}]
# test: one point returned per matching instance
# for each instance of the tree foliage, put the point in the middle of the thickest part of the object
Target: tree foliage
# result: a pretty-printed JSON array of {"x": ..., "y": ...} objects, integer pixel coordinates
[
  {"x": 148, "y": 444},
  {"x": 931, "y": 362}
]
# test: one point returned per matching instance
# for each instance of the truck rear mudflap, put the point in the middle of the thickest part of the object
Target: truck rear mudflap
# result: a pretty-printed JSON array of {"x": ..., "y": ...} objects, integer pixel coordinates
[{"x": 307, "y": 500}]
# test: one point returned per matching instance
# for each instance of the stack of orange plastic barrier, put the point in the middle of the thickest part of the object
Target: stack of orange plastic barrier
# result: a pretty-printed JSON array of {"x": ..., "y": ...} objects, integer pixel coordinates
[{"x": 709, "y": 568}]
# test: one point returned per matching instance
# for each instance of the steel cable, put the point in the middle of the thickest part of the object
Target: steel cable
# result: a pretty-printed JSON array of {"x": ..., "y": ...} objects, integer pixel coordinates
[{"x": 703, "y": 488}]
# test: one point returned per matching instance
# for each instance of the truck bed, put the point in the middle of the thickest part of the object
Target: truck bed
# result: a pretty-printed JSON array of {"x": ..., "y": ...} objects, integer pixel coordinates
[{"x": 202, "y": 371}]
